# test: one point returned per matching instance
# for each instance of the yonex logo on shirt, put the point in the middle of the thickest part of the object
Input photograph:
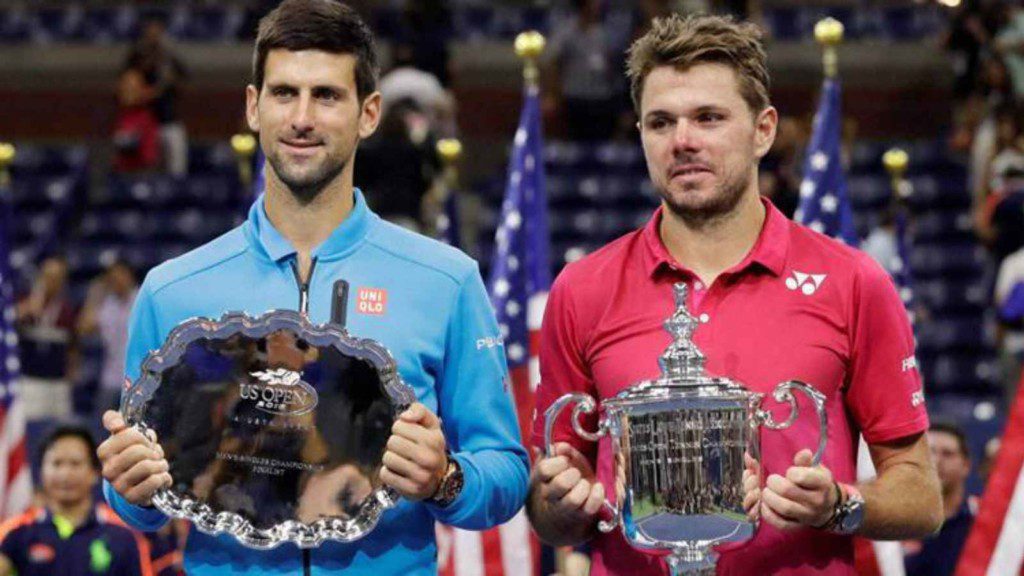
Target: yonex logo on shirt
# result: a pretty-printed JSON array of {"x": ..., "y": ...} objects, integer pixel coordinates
[
  {"x": 909, "y": 363},
  {"x": 373, "y": 301},
  {"x": 806, "y": 283}
]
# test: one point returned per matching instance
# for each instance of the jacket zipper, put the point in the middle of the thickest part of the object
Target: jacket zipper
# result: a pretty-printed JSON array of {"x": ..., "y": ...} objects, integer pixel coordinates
[
  {"x": 306, "y": 569},
  {"x": 303, "y": 284}
]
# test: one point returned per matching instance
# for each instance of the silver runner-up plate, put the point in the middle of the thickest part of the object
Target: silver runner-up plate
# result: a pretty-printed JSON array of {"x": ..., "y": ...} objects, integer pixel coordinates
[{"x": 274, "y": 427}]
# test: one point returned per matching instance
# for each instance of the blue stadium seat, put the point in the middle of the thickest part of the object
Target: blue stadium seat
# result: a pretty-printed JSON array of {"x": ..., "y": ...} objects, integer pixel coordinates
[
  {"x": 102, "y": 25},
  {"x": 946, "y": 260},
  {"x": 933, "y": 227},
  {"x": 948, "y": 296},
  {"x": 619, "y": 157},
  {"x": 139, "y": 190},
  {"x": 930, "y": 192},
  {"x": 936, "y": 337},
  {"x": 213, "y": 24},
  {"x": 15, "y": 25},
  {"x": 869, "y": 192},
  {"x": 965, "y": 374}
]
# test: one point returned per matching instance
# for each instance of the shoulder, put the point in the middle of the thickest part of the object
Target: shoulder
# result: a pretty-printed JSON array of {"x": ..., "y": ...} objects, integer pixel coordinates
[
  {"x": 808, "y": 246},
  {"x": 11, "y": 527},
  {"x": 205, "y": 258},
  {"x": 415, "y": 254},
  {"x": 590, "y": 275}
]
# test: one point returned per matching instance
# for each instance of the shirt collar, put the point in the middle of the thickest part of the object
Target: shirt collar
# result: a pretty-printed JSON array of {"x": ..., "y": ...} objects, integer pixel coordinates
[
  {"x": 769, "y": 250},
  {"x": 343, "y": 240}
]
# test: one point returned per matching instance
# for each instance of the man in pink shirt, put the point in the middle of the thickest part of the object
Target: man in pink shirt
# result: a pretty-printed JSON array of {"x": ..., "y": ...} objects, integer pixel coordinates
[{"x": 776, "y": 301}]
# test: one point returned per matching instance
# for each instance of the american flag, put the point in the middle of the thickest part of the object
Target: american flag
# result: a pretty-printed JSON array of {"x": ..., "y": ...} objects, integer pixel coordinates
[
  {"x": 15, "y": 473},
  {"x": 824, "y": 203},
  {"x": 995, "y": 545},
  {"x": 825, "y": 208},
  {"x": 519, "y": 283}
]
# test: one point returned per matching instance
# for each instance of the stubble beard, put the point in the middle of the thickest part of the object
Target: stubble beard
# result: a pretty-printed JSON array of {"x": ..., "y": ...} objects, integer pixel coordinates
[
  {"x": 307, "y": 188},
  {"x": 720, "y": 203}
]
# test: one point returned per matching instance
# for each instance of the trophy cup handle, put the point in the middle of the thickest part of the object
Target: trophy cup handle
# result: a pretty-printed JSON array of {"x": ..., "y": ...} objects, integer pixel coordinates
[
  {"x": 584, "y": 405},
  {"x": 784, "y": 393}
]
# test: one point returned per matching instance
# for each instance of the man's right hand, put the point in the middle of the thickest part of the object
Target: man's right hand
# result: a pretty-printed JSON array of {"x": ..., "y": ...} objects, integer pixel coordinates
[
  {"x": 566, "y": 486},
  {"x": 132, "y": 463}
]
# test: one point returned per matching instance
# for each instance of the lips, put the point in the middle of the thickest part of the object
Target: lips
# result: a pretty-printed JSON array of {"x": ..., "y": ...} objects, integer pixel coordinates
[
  {"x": 301, "y": 144},
  {"x": 689, "y": 170}
]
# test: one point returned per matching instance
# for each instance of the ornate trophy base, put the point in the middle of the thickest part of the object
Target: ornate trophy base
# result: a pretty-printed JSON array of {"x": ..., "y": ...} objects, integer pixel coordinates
[{"x": 696, "y": 561}]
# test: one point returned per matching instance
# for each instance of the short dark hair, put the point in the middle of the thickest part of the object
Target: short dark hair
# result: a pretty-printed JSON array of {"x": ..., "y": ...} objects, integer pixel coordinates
[
  {"x": 326, "y": 25},
  {"x": 955, "y": 431},
  {"x": 71, "y": 431}
]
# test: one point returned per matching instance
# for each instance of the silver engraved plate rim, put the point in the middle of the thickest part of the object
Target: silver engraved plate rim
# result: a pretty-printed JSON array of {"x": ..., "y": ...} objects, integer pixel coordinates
[{"x": 322, "y": 335}]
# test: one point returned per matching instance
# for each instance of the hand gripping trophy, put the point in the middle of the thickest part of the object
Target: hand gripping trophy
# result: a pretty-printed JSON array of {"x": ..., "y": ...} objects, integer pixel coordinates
[{"x": 679, "y": 444}]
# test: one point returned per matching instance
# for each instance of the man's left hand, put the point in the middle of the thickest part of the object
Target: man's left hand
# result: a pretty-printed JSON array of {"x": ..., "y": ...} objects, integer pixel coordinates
[
  {"x": 415, "y": 460},
  {"x": 805, "y": 497}
]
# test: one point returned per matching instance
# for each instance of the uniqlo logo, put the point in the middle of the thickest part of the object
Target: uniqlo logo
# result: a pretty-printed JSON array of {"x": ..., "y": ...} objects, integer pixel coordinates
[{"x": 373, "y": 301}]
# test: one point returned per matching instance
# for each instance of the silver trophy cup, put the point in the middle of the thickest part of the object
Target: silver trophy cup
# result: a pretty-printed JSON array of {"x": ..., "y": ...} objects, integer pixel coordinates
[{"x": 679, "y": 443}]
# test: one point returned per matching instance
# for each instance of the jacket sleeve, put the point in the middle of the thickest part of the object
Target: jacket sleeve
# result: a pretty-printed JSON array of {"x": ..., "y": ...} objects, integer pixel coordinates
[
  {"x": 478, "y": 415},
  {"x": 143, "y": 337}
]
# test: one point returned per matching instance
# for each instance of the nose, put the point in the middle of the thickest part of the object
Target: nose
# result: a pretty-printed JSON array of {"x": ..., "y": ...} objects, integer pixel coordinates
[
  {"x": 685, "y": 138},
  {"x": 302, "y": 114}
]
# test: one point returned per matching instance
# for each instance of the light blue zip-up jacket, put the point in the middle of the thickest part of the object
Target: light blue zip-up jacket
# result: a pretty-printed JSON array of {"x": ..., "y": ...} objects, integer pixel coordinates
[{"x": 438, "y": 324}]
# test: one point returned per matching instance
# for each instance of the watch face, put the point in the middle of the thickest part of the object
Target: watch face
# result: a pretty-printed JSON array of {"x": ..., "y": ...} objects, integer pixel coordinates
[{"x": 853, "y": 517}]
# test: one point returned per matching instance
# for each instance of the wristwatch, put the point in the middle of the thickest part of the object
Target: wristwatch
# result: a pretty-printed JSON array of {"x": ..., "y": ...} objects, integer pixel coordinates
[
  {"x": 848, "y": 515},
  {"x": 451, "y": 484}
]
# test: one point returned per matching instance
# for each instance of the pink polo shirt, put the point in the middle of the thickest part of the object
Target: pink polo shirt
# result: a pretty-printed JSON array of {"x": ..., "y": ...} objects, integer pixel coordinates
[{"x": 800, "y": 306}]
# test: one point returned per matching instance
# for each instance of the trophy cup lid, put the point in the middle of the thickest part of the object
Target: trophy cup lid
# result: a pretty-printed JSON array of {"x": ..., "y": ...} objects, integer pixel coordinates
[{"x": 682, "y": 363}]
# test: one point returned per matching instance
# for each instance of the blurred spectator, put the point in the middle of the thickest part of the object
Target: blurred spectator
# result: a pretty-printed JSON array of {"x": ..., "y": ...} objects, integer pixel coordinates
[
  {"x": 423, "y": 38},
  {"x": 165, "y": 550},
  {"x": 937, "y": 555},
  {"x": 780, "y": 174},
  {"x": 1009, "y": 303},
  {"x": 976, "y": 122},
  {"x": 164, "y": 73},
  {"x": 394, "y": 170},
  {"x": 46, "y": 323},
  {"x": 1001, "y": 220},
  {"x": 881, "y": 243},
  {"x": 584, "y": 64},
  {"x": 1009, "y": 42},
  {"x": 136, "y": 131},
  {"x": 71, "y": 534},
  {"x": 108, "y": 304},
  {"x": 965, "y": 39},
  {"x": 406, "y": 82}
]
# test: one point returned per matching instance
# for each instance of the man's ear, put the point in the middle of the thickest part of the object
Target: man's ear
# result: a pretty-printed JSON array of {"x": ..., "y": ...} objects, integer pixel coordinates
[
  {"x": 369, "y": 118},
  {"x": 765, "y": 129},
  {"x": 252, "y": 99}
]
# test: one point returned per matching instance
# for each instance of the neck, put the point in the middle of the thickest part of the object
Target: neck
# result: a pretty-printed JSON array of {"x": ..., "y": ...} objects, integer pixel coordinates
[
  {"x": 76, "y": 513},
  {"x": 952, "y": 500},
  {"x": 711, "y": 247},
  {"x": 306, "y": 226}
]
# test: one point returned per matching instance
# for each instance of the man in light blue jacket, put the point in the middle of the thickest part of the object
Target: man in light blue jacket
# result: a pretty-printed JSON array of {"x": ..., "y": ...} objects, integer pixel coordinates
[{"x": 455, "y": 456}]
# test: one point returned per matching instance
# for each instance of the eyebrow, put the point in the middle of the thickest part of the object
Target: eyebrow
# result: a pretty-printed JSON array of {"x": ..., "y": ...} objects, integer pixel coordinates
[{"x": 339, "y": 89}]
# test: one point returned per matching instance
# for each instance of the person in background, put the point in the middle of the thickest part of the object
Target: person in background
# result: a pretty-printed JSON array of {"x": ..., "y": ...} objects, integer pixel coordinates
[
  {"x": 71, "y": 534},
  {"x": 45, "y": 320},
  {"x": 108, "y": 305},
  {"x": 937, "y": 555},
  {"x": 136, "y": 130},
  {"x": 164, "y": 74}
]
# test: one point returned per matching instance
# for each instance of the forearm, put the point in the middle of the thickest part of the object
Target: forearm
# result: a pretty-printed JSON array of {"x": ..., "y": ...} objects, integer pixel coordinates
[
  {"x": 144, "y": 519},
  {"x": 553, "y": 529},
  {"x": 493, "y": 491},
  {"x": 904, "y": 502}
]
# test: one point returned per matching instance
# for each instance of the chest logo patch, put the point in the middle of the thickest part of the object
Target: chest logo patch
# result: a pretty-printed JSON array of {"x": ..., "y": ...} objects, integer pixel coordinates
[
  {"x": 41, "y": 553},
  {"x": 806, "y": 283},
  {"x": 372, "y": 301}
]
